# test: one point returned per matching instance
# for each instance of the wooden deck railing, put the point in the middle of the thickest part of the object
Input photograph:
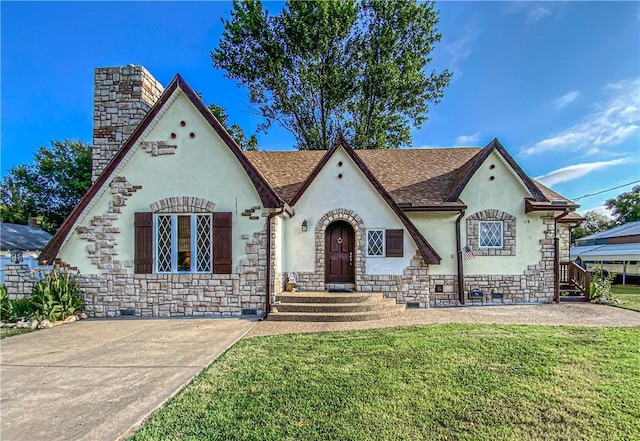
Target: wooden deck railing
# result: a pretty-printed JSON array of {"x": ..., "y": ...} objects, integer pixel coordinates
[{"x": 571, "y": 274}]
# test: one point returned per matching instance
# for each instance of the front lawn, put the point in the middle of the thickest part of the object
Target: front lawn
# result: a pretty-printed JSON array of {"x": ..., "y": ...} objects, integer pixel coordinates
[
  {"x": 436, "y": 382},
  {"x": 629, "y": 295}
]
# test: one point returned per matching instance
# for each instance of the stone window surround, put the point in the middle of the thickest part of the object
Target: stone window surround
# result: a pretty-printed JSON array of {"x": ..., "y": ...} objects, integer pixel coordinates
[
  {"x": 508, "y": 233},
  {"x": 182, "y": 204}
]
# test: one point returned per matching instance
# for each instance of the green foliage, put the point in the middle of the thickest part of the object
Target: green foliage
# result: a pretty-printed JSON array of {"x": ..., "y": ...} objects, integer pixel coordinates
[
  {"x": 56, "y": 297},
  {"x": 5, "y": 308},
  {"x": 50, "y": 187},
  {"x": 600, "y": 285},
  {"x": 12, "y": 309},
  {"x": 625, "y": 206},
  {"x": 236, "y": 132},
  {"x": 594, "y": 222},
  {"x": 21, "y": 308},
  {"x": 329, "y": 67}
]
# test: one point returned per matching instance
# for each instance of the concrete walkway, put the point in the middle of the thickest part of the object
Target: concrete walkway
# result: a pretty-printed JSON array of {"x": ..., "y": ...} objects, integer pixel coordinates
[
  {"x": 98, "y": 379},
  {"x": 568, "y": 314}
]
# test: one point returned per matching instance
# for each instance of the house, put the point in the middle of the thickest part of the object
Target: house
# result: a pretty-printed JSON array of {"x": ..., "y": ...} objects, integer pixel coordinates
[
  {"x": 180, "y": 221},
  {"x": 614, "y": 251},
  {"x": 29, "y": 240}
]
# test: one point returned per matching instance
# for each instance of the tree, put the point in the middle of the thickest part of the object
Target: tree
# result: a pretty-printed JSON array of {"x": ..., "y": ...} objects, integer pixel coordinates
[
  {"x": 328, "y": 67},
  {"x": 50, "y": 187},
  {"x": 236, "y": 132},
  {"x": 594, "y": 222},
  {"x": 625, "y": 206}
]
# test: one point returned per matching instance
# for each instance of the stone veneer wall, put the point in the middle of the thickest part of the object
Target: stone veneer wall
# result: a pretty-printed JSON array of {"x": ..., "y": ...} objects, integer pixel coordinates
[
  {"x": 565, "y": 242},
  {"x": 113, "y": 290},
  {"x": 534, "y": 285},
  {"x": 122, "y": 97},
  {"x": 167, "y": 295},
  {"x": 411, "y": 286}
]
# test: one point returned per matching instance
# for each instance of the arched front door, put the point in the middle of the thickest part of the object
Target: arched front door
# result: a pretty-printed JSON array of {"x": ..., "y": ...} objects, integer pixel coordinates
[{"x": 339, "y": 241}]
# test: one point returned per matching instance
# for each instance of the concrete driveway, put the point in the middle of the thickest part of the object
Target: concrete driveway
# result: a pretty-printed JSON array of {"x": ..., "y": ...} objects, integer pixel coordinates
[{"x": 98, "y": 379}]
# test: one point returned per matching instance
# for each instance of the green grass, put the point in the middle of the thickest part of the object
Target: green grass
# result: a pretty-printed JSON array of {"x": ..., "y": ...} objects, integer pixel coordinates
[
  {"x": 10, "y": 332},
  {"x": 436, "y": 382},
  {"x": 629, "y": 295}
]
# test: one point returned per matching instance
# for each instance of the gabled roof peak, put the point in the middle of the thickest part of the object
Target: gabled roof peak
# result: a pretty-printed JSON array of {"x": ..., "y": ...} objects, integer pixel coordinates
[
  {"x": 429, "y": 255},
  {"x": 474, "y": 164}
]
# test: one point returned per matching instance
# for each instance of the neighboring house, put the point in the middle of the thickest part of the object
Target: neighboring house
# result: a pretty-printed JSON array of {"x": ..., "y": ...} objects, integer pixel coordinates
[
  {"x": 615, "y": 251},
  {"x": 29, "y": 239},
  {"x": 180, "y": 221}
]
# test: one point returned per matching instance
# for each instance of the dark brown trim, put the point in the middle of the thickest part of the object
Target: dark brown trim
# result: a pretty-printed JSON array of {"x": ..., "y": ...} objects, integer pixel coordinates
[
  {"x": 461, "y": 298},
  {"x": 429, "y": 255},
  {"x": 267, "y": 195},
  {"x": 481, "y": 157},
  {"x": 530, "y": 205}
]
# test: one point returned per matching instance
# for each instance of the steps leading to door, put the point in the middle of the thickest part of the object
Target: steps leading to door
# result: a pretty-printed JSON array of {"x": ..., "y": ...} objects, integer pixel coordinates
[{"x": 322, "y": 306}]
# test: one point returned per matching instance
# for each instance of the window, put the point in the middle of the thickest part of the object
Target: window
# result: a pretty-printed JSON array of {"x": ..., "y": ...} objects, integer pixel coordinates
[
  {"x": 183, "y": 243},
  {"x": 490, "y": 234},
  {"x": 375, "y": 243}
]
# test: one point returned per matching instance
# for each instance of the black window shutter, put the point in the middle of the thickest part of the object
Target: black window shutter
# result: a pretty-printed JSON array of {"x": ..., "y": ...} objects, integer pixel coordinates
[
  {"x": 394, "y": 243},
  {"x": 143, "y": 249},
  {"x": 222, "y": 243}
]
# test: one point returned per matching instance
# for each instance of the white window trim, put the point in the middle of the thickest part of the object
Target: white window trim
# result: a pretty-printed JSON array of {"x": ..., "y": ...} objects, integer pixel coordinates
[
  {"x": 174, "y": 241},
  {"x": 501, "y": 223},
  {"x": 382, "y": 230}
]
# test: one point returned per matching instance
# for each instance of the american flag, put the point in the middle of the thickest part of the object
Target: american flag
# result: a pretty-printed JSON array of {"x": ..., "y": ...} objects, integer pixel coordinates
[{"x": 468, "y": 254}]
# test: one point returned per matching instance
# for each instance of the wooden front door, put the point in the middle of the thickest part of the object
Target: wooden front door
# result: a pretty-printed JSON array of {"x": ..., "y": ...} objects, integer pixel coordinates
[{"x": 339, "y": 253}]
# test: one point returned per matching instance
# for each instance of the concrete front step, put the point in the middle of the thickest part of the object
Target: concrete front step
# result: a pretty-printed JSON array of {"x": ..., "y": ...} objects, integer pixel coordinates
[
  {"x": 380, "y": 305},
  {"x": 328, "y": 297},
  {"x": 336, "y": 316},
  {"x": 333, "y": 307}
]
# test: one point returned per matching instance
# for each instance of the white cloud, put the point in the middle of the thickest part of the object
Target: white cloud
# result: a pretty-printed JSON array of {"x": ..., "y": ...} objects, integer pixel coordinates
[
  {"x": 534, "y": 11},
  {"x": 466, "y": 140},
  {"x": 611, "y": 124},
  {"x": 566, "y": 99},
  {"x": 458, "y": 50},
  {"x": 537, "y": 14},
  {"x": 576, "y": 171}
]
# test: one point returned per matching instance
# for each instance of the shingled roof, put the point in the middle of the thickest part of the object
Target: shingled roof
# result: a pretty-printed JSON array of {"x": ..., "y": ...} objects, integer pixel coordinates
[{"x": 413, "y": 177}]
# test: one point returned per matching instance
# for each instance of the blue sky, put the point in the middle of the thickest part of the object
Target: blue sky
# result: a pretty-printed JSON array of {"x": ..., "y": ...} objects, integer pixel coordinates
[{"x": 557, "y": 82}]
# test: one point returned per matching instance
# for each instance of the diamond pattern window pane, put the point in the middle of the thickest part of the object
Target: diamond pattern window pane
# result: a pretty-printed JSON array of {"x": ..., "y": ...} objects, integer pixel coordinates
[
  {"x": 203, "y": 243},
  {"x": 164, "y": 244},
  {"x": 491, "y": 234},
  {"x": 375, "y": 241}
]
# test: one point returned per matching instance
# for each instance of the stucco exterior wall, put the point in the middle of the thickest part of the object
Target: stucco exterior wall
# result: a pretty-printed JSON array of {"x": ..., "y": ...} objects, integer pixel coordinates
[
  {"x": 506, "y": 193},
  {"x": 201, "y": 167},
  {"x": 335, "y": 187},
  {"x": 179, "y": 158}
]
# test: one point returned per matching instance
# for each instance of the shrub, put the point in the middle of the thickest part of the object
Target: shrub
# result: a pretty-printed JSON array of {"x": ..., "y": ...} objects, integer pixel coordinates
[
  {"x": 20, "y": 308},
  {"x": 56, "y": 296},
  {"x": 600, "y": 286},
  {"x": 4, "y": 304}
]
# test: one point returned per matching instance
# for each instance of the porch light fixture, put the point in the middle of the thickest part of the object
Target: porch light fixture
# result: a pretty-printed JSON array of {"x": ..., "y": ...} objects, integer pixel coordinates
[
  {"x": 304, "y": 226},
  {"x": 16, "y": 256}
]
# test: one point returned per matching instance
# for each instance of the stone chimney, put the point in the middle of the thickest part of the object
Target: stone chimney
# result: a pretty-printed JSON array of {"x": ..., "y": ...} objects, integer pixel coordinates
[{"x": 121, "y": 98}]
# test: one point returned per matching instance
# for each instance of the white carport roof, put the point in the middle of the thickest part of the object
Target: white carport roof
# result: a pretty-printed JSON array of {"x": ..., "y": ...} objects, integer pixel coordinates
[{"x": 623, "y": 251}]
